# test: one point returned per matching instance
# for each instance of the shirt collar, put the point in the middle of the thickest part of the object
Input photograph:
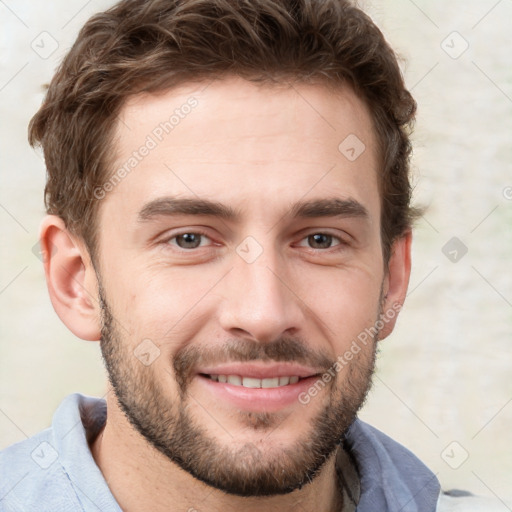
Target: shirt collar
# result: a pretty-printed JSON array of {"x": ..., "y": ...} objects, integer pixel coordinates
[
  {"x": 391, "y": 477},
  {"x": 379, "y": 473}
]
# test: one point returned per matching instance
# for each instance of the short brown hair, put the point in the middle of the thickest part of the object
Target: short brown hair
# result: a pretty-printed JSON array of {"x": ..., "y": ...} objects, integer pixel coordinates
[{"x": 147, "y": 46}]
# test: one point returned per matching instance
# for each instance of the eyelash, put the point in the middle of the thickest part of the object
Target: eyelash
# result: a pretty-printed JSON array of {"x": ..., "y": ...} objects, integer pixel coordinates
[
  {"x": 339, "y": 240},
  {"x": 200, "y": 233}
]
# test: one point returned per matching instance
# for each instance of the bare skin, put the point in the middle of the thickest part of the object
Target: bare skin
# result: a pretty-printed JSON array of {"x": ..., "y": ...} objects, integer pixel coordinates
[{"x": 258, "y": 151}]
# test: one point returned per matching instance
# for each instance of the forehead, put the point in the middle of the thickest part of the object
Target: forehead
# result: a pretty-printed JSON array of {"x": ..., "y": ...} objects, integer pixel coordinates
[{"x": 250, "y": 145}]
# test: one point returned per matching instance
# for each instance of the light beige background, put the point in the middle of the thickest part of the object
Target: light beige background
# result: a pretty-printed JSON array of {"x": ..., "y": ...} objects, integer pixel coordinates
[{"x": 444, "y": 384}]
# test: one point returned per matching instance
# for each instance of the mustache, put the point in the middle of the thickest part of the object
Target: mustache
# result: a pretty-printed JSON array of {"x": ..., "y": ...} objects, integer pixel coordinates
[{"x": 189, "y": 358}]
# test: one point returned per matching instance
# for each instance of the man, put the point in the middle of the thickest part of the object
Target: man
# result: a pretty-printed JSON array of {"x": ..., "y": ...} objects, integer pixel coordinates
[{"x": 229, "y": 214}]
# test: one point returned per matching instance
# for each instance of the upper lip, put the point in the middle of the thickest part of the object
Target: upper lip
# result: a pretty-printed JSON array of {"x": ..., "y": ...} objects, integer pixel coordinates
[{"x": 261, "y": 370}]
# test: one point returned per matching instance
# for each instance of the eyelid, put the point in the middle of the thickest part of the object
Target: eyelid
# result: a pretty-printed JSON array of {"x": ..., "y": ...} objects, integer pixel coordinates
[
  {"x": 334, "y": 237},
  {"x": 173, "y": 234},
  {"x": 342, "y": 240},
  {"x": 195, "y": 230}
]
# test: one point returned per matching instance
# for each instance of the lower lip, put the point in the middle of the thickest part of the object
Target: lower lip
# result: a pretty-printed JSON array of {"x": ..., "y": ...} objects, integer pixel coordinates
[{"x": 257, "y": 399}]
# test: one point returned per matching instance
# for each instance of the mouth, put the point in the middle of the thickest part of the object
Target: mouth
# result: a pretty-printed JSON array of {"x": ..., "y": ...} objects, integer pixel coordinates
[
  {"x": 255, "y": 383},
  {"x": 257, "y": 387}
]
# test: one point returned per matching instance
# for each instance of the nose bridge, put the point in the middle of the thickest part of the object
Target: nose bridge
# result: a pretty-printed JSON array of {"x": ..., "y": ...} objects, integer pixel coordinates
[
  {"x": 263, "y": 284},
  {"x": 257, "y": 300}
]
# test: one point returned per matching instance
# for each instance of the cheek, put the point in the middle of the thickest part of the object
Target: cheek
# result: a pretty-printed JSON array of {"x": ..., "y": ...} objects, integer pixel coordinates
[
  {"x": 344, "y": 303},
  {"x": 166, "y": 306}
]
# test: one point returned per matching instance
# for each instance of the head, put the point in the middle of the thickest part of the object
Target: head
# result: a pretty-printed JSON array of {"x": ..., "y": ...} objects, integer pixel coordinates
[{"x": 228, "y": 194}]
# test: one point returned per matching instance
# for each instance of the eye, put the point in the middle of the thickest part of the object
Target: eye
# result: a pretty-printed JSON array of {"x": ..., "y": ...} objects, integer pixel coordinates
[
  {"x": 189, "y": 240},
  {"x": 321, "y": 241}
]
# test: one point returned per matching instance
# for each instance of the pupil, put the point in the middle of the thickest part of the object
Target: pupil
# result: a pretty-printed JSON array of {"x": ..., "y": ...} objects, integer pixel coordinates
[
  {"x": 188, "y": 240},
  {"x": 320, "y": 240}
]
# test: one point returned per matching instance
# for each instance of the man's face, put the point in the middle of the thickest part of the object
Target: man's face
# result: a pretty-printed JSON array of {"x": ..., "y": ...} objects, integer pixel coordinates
[{"x": 239, "y": 257}]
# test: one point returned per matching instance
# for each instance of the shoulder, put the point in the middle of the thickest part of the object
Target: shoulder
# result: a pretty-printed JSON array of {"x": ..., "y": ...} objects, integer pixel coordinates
[
  {"x": 456, "y": 501},
  {"x": 32, "y": 478},
  {"x": 376, "y": 449},
  {"x": 389, "y": 473},
  {"x": 40, "y": 473}
]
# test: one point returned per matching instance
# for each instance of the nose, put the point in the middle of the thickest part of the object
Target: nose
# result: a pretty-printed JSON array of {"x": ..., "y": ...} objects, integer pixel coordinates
[{"x": 259, "y": 301}]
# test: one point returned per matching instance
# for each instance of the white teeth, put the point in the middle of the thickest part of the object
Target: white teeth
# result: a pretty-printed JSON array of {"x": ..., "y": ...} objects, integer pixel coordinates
[
  {"x": 251, "y": 382},
  {"x": 235, "y": 380},
  {"x": 270, "y": 383}
]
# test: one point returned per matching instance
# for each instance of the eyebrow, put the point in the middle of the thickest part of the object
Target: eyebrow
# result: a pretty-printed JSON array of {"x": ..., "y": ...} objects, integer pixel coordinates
[
  {"x": 169, "y": 206},
  {"x": 329, "y": 208},
  {"x": 186, "y": 206}
]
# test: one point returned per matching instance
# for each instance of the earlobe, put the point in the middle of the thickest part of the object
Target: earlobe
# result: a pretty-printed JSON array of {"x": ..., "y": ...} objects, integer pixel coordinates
[
  {"x": 396, "y": 282},
  {"x": 71, "y": 279}
]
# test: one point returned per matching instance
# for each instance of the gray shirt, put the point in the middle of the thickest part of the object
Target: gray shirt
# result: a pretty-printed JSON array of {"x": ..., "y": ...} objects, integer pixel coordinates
[{"x": 54, "y": 471}]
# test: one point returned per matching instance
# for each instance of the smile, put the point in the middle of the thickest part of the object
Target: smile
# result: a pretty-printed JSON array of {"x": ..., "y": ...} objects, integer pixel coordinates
[
  {"x": 256, "y": 387},
  {"x": 251, "y": 382}
]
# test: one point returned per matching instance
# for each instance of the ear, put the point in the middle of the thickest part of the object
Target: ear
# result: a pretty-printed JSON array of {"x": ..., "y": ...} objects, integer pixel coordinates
[
  {"x": 396, "y": 283},
  {"x": 71, "y": 279}
]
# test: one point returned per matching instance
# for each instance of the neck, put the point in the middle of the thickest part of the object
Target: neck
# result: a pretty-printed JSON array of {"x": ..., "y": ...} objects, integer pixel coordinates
[{"x": 141, "y": 478}]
